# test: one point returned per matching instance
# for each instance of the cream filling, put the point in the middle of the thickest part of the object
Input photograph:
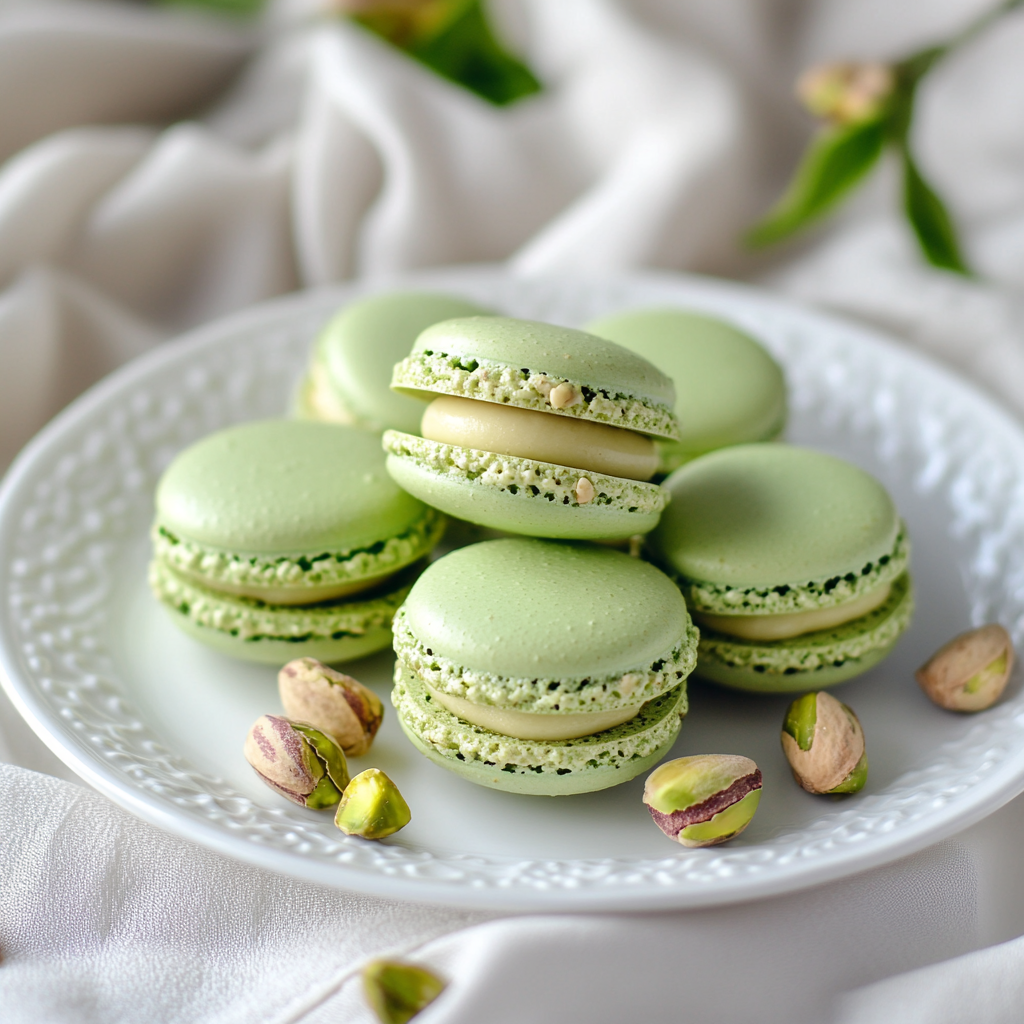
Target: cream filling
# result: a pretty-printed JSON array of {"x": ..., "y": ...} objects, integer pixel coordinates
[
  {"x": 288, "y": 595},
  {"x": 544, "y": 437},
  {"x": 322, "y": 399},
  {"x": 526, "y": 726},
  {"x": 790, "y": 624}
]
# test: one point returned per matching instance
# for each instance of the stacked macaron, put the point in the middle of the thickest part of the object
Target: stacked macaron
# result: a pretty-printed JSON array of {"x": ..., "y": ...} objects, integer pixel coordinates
[
  {"x": 280, "y": 539},
  {"x": 533, "y": 429},
  {"x": 729, "y": 390},
  {"x": 349, "y": 375},
  {"x": 542, "y": 668},
  {"x": 794, "y": 564}
]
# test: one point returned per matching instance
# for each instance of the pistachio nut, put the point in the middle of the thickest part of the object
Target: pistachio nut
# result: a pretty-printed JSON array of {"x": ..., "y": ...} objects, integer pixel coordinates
[
  {"x": 824, "y": 744},
  {"x": 332, "y": 702},
  {"x": 970, "y": 672},
  {"x": 846, "y": 92},
  {"x": 396, "y": 992},
  {"x": 705, "y": 799},
  {"x": 298, "y": 761},
  {"x": 372, "y": 807}
]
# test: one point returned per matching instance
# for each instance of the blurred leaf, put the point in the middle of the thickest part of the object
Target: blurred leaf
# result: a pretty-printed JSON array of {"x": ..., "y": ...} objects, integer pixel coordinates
[
  {"x": 241, "y": 7},
  {"x": 837, "y": 158},
  {"x": 453, "y": 38},
  {"x": 930, "y": 220},
  {"x": 468, "y": 53}
]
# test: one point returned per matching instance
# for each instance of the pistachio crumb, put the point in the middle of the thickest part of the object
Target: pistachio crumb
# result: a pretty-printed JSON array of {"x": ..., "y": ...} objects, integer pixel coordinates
[
  {"x": 584, "y": 491},
  {"x": 564, "y": 395}
]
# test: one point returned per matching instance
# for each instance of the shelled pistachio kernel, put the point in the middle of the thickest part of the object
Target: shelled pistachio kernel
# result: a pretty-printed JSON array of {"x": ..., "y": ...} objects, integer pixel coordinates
[
  {"x": 396, "y": 992},
  {"x": 705, "y": 799},
  {"x": 331, "y": 701},
  {"x": 298, "y": 761},
  {"x": 824, "y": 744},
  {"x": 971, "y": 671},
  {"x": 372, "y": 807}
]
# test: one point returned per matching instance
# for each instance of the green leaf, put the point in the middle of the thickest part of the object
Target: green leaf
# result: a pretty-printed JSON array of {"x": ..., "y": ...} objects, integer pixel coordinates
[
  {"x": 468, "y": 53},
  {"x": 454, "y": 38},
  {"x": 837, "y": 158},
  {"x": 236, "y": 7},
  {"x": 930, "y": 220}
]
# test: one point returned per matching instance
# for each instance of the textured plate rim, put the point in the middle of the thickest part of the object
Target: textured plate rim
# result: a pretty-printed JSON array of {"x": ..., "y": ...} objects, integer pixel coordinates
[{"x": 984, "y": 797}]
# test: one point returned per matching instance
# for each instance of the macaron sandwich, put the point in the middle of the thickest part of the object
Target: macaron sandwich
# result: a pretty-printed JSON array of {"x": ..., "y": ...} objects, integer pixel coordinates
[
  {"x": 349, "y": 375},
  {"x": 729, "y": 390},
  {"x": 534, "y": 429},
  {"x": 542, "y": 668},
  {"x": 281, "y": 539},
  {"x": 793, "y": 563}
]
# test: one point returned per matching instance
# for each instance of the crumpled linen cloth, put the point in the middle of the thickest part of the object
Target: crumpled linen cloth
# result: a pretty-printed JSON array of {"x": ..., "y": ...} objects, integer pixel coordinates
[{"x": 161, "y": 168}]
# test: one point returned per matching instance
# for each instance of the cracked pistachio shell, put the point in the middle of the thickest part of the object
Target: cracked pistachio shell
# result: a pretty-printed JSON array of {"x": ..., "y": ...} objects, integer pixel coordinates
[
  {"x": 298, "y": 761},
  {"x": 396, "y": 992},
  {"x": 372, "y": 807},
  {"x": 971, "y": 671},
  {"x": 824, "y": 744},
  {"x": 331, "y": 701},
  {"x": 705, "y": 799}
]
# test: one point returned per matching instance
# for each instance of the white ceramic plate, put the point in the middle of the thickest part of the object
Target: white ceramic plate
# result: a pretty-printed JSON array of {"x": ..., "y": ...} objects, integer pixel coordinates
[{"x": 157, "y": 722}]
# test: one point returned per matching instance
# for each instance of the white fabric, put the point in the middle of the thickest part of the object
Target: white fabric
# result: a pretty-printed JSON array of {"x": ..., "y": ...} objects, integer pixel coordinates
[{"x": 162, "y": 169}]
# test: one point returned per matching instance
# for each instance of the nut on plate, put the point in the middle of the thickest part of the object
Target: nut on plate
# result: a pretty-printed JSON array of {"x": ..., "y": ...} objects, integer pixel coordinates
[
  {"x": 372, "y": 807},
  {"x": 332, "y": 702},
  {"x": 396, "y": 992},
  {"x": 298, "y": 761},
  {"x": 970, "y": 672},
  {"x": 705, "y": 799},
  {"x": 824, "y": 744}
]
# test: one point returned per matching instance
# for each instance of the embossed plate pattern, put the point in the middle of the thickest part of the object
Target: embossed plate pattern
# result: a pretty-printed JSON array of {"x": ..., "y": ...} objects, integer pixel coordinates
[{"x": 156, "y": 722}]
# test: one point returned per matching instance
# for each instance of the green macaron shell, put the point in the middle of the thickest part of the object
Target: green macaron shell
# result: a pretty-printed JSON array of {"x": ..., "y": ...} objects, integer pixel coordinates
[
  {"x": 546, "y": 628},
  {"x": 729, "y": 390},
  {"x": 774, "y": 529},
  {"x": 357, "y": 351},
  {"x": 520, "y": 495},
  {"x": 245, "y": 628},
  {"x": 288, "y": 503},
  {"x": 518, "y": 362},
  {"x": 537, "y": 767},
  {"x": 813, "y": 660}
]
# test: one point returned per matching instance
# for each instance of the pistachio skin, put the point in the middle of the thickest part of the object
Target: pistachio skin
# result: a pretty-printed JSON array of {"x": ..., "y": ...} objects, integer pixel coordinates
[
  {"x": 705, "y": 799},
  {"x": 372, "y": 807},
  {"x": 331, "y": 701},
  {"x": 971, "y": 671},
  {"x": 396, "y": 992},
  {"x": 301, "y": 763},
  {"x": 824, "y": 744}
]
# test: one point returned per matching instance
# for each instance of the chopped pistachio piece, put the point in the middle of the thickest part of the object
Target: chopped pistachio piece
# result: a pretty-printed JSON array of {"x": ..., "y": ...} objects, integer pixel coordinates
[{"x": 372, "y": 807}]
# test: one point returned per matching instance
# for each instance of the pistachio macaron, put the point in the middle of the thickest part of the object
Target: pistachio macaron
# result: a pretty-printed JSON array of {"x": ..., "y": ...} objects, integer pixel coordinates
[
  {"x": 349, "y": 375},
  {"x": 793, "y": 563},
  {"x": 534, "y": 429},
  {"x": 542, "y": 668},
  {"x": 729, "y": 390},
  {"x": 281, "y": 539}
]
